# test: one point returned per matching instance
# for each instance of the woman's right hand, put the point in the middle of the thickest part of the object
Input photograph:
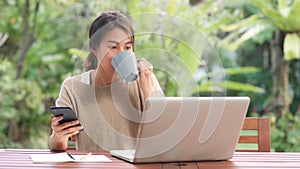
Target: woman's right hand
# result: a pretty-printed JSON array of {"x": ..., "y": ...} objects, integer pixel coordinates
[
  {"x": 145, "y": 77},
  {"x": 61, "y": 133}
]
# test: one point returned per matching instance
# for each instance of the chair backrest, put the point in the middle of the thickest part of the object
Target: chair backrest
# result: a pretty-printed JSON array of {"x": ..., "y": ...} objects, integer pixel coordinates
[
  {"x": 72, "y": 143},
  {"x": 255, "y": 135}
]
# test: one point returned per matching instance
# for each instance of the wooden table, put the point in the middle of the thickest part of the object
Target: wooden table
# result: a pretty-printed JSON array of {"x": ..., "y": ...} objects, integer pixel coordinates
[{"x": 19, "y": 158}]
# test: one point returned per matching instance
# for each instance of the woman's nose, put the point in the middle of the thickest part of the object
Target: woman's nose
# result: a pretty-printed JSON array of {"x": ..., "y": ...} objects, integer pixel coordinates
[{"x": 121, "y": 49}]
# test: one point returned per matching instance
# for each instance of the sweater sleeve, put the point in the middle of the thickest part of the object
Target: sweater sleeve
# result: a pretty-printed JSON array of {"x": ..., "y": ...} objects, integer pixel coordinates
[
  {"x": 65, "y": 95},
  {"x": 157, "y": 89}
]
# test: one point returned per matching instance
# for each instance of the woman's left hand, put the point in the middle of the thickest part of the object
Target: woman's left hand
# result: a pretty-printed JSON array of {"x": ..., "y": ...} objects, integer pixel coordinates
[{"x": 145, "y": 77}]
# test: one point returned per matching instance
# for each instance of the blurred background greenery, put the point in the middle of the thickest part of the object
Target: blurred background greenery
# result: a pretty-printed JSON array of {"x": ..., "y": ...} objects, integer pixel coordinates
[{"x": 257, "y": 42}]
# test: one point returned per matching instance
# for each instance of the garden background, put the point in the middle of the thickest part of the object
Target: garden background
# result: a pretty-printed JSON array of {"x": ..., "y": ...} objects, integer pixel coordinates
[{"x": 257, "y": 43}]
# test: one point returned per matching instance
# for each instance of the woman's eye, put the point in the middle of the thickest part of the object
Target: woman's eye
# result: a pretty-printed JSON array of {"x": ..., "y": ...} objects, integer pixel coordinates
[
  {"x": 128, "y": 47},
  {"x": 113, "y": 47}
]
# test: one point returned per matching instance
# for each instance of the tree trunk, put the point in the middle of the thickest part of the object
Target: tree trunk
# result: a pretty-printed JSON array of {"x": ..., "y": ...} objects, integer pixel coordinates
[
  {"x": 280, "y": 75},
  {"x": 28, "y": 36}
]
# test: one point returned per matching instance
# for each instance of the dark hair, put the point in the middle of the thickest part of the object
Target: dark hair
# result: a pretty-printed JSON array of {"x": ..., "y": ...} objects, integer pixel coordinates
[{"x": 100, "y": 26}]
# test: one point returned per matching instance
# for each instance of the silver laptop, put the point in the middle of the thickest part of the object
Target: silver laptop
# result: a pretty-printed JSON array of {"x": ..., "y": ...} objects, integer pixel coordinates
[{"x": 188, "y": 129}]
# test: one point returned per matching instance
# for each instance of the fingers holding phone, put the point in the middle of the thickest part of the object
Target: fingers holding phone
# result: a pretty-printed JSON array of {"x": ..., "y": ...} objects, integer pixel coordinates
[
  {"x": 57, "y": 126},
  {"x": 63, "y": 131},
  {"x": 64, "y": 123}
]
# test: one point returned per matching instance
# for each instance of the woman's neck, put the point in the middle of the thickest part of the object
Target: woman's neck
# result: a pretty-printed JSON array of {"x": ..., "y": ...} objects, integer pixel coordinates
[{"x": 101, "y": 77}]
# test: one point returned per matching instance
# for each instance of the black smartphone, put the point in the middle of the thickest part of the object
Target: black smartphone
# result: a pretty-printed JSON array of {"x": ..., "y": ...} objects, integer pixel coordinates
[{"x": 67, "y": 113}]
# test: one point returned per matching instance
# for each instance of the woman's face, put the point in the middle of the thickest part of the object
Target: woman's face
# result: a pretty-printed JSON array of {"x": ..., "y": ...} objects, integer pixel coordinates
[{"x": 115, "y": 41}]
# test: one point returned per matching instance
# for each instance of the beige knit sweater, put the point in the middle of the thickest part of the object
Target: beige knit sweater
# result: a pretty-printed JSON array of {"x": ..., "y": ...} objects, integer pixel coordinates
[{"x": 109, "y": 114}]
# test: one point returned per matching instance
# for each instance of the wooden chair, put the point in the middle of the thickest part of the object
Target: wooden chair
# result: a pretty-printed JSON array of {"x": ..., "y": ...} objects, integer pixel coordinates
[
  {"x": 255, "y": 135},
  {"x": 72, "y": 143}
]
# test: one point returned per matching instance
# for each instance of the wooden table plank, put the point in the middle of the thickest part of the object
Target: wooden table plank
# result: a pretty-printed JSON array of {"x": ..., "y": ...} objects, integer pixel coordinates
[
  {"x": 170, "y": 166},
  {"x": 20, "y": 158}
]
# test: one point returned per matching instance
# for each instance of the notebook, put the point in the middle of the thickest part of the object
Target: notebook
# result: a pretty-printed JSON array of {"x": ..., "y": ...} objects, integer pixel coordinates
[
  {"x": 64, "y": 157},
  {"x": 188, "y": 129}
]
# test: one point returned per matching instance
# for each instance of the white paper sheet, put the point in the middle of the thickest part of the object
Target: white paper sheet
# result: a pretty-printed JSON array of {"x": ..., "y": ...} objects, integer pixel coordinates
[{"x": 63, "y": 157}]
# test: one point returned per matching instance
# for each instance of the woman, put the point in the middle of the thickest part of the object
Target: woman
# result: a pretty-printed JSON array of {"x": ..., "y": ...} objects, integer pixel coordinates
[{"x": 109, "y": 110}]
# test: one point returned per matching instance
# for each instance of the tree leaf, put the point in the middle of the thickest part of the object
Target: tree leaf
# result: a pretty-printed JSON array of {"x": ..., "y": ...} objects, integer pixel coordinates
[
  {"x": 291, "y": 46},
  {"x": 283, "y": 8},
  {"x": 237, "y": 25},
  {"x": 252, "y": 31},
  {"x": 286, "y": 17},
  {"x": 275, "y": 16},
  {"x": 171, "y": 7},
  {"x": 233, "y": 71},
  {"x": 188, "y": 57},
  {"x": 293, "y": 19},
  {"x": 240, "y": 70},
  {"x": 79, "y": 52},
  {"x": 229, "y": 85}
]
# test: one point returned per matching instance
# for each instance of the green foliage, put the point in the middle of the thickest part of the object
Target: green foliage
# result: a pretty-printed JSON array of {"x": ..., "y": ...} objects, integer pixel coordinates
[
  {"x": 287, "y": 131},
  {"x": 21, "y": 110},
  {"x": 24, "y": 102},
  {"x": 294, "y": 84},
  {"x": 61, "y": 46},
  {"x": 258, "y": 23},
  {"x": 283, "y": 15},
  {"x": 258, "y": 30},
  {"x": 176, "y": 37},
  {"x": 260, "y": 26},
  {"x": 206, "y": 85},
  {"x": 165, "y": 41}
]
